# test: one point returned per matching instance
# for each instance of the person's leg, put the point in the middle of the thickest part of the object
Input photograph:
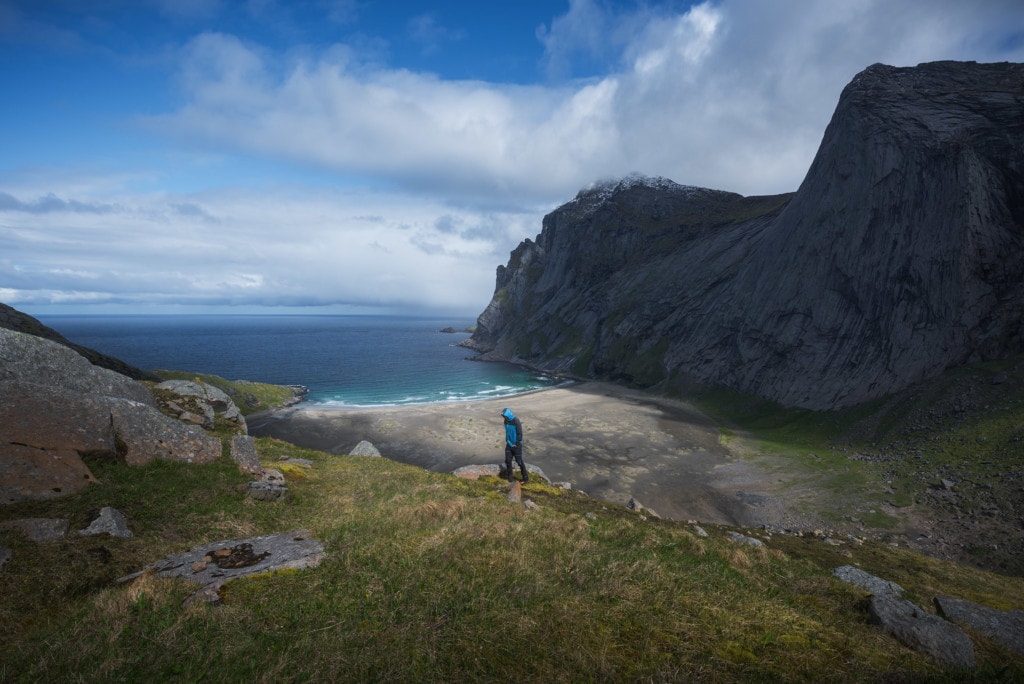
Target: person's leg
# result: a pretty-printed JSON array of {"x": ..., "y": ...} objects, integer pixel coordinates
[
  {"x": 522, "y": 466},
  {"x": 508, "y": 462}
]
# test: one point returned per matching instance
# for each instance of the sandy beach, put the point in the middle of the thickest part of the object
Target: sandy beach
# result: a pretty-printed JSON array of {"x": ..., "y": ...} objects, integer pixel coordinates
[{"x": 612, "y": 443}]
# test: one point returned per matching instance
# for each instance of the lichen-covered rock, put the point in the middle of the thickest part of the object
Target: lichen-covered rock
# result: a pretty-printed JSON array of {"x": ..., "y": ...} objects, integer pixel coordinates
[
  {"x": 266, "y": 491},
  {"x": 144, "y": 434},
  {"x": 56, "y": 408},
  {"x": 31, "y": 359},
  {"x": 18, "y": 321},
  {"x": 214, "y": 396},
  {"x": 31, "y": 473},
  {"x": 211, "y": 565},
  {"x": 243, "y": 451},
  {"x": 205, "y": 400}
]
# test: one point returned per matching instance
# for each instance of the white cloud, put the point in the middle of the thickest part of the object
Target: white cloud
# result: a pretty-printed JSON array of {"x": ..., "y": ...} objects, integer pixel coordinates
[
  {"x": 282, "y": 247},
  {"x": 732, "y": 95}
]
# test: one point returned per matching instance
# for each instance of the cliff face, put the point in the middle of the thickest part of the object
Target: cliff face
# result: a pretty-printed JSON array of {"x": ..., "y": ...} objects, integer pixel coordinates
[{"x": 902, "y": 254}]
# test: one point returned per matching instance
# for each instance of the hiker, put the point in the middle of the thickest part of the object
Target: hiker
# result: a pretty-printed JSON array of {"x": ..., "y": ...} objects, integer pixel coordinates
[{"x": 514, "y": 444}]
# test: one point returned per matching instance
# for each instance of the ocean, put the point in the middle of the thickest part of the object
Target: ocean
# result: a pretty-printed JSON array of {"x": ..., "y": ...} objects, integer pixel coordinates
[{"x": 345, "y": 361}]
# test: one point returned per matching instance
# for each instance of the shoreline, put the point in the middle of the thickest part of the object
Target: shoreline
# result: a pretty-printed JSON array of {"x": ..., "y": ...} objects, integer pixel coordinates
[{"x": 611, "y": 442}]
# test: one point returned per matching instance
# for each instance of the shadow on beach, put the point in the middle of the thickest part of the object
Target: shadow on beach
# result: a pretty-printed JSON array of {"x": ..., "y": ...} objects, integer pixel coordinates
[{"x": 612, "y": 443}]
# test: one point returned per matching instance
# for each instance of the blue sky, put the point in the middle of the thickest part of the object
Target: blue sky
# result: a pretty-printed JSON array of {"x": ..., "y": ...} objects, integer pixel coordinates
[{"x": 351, "y": 156}]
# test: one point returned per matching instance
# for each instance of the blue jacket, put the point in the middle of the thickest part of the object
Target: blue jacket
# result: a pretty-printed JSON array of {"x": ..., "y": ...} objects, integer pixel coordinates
[{"x": 513, "y": 429}]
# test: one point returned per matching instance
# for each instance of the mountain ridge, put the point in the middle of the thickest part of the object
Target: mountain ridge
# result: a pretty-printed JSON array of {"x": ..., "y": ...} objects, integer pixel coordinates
[{"x": 900, "y": 255}]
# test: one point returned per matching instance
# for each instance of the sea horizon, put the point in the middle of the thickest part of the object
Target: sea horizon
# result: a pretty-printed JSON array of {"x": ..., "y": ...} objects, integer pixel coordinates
[{"x": 345, "y": 360}]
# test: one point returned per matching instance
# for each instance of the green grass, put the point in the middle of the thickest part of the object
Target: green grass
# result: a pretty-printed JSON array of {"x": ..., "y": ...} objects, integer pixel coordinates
[
  {"x": 429, "y": 578},
  {"x": 250, "y": 397},
  {"x": 432, "y": 578},
  {"x": 966, "y": 427}
]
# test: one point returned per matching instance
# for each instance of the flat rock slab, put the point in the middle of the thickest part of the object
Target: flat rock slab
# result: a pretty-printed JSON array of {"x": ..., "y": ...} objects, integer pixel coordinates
[
  {"x": 1005, "y": 627},
  {"x": 211, "y": 565},
  {"x": 867, "y": 581},
  {"x": 922, "y": 631}
]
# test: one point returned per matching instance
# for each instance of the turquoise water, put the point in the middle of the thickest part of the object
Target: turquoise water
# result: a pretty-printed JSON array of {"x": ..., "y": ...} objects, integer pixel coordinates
[{"x": 343, "y": 360}]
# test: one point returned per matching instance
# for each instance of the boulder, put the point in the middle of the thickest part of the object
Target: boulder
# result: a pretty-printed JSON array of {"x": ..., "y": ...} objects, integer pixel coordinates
[
  {"x": 214, "y": 396},
  {"x": 266, "y": 491},
  {"x": 867, "y": 581},
  {"x": 515, "y": 492},
  {"x": 145, "y": 434},
  {"x": 15, "y": 320},
  {"x": 922, "y": 631},
  {"x": 272, "y": 476},
  {"x": 743, "y": 539},
  {"x": 1005, "y": 627},
  {"x": 29, "y": 473},
  {"x": 364, "y": 448},
  {"x": 56, "y": 407},
  {"x": 243, "y": 451},
  {"x": 55, "y": 418},
  {"x": 476, "y": 471},
  {"x": 32, "y": 359},
  {"x": 533, "y": 470},
  {"x": 108, "y": 521},
  {"x": 204, "y": 400}
]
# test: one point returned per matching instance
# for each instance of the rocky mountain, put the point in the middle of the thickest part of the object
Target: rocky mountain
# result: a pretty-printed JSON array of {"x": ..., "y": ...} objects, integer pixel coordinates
[{"x": 901, "y": 255}]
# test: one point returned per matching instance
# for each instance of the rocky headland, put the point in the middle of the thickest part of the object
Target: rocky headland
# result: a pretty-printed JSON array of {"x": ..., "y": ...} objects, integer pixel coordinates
[{"x": 901, "y": 255}]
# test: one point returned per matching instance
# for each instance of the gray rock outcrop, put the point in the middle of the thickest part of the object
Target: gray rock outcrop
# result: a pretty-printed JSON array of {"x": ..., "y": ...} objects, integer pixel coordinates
[
  {"x": 900, "y": 256},
  {"x": 18, "y": 321},
  {"x": 867, "y": 581},
  {"x": 921, "y": 630},
  {"x": 204, "y": 403},
  {"x": 31, "y": 359},
  {"x": 907, "y": 623},
  {"x": 243, "y": 452},
  {"x": 56, "y": 407},
  {"x": 108, "y": 521},
  {"x": 1005, "y": 627},
  {"x": 212, "y": 565}
]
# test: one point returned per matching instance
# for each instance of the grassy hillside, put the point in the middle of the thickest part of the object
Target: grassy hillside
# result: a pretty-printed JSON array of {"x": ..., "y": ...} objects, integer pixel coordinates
[
  {"x": 431, "y": 578},
  {"x": 941, "y": 462}
]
